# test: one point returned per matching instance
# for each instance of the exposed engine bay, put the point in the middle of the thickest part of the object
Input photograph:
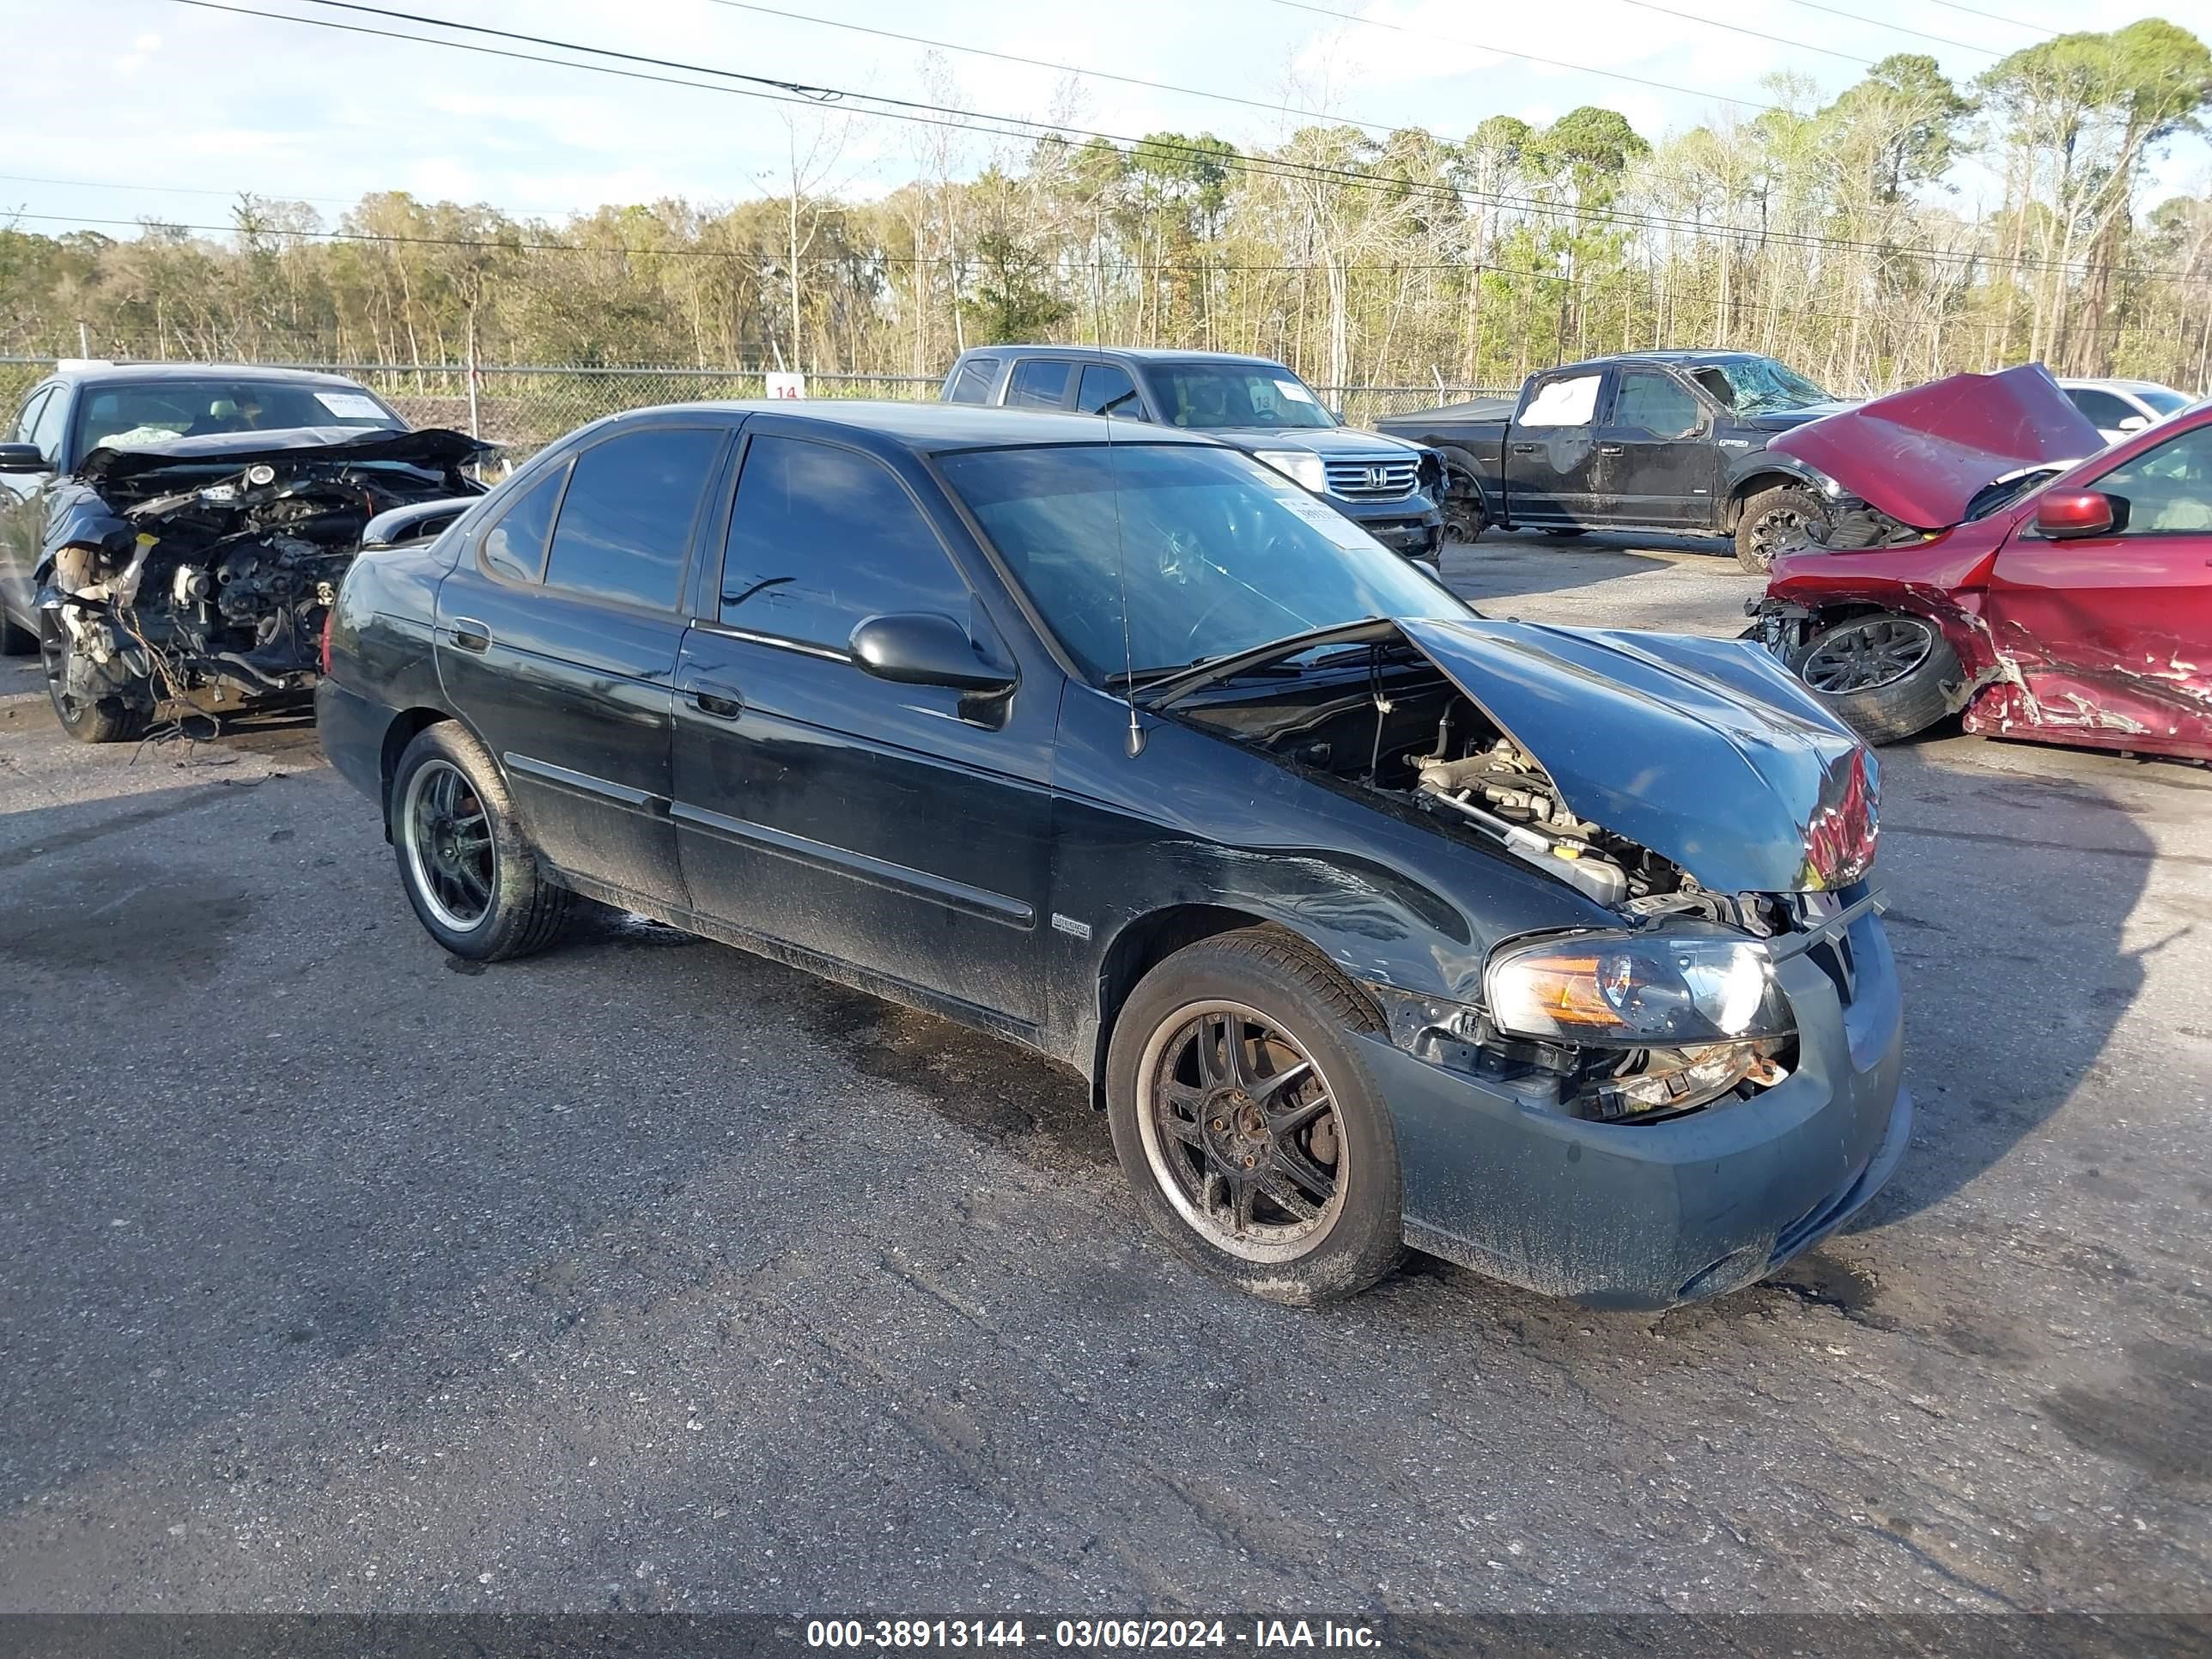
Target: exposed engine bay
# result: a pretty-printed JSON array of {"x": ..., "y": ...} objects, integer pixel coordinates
[
  {"x": 181, "y": 577},
  {"x": 1409, "y": 732}
]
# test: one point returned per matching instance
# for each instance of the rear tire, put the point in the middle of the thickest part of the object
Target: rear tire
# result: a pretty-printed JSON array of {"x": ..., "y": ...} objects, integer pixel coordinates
[
  {"x": 116, "y": 717},
  {"x": 1784, "y": 520},
  {"x": 1884, "y": 676},
  {"x": 1290, "y": 1192},
  {"x": 464, "y": 861}
]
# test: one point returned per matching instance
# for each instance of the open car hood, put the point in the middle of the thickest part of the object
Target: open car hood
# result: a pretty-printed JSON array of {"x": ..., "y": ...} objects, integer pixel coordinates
[
  {"x": 432, "y": 447},
  {"x": 1706, "y": 751},
  {"x": 1921, "y": 456}
]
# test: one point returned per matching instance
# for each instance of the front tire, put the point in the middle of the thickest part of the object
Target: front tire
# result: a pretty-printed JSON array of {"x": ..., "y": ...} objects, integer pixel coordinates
[
  {"x": 1465, "y": 518},
  {"x": 1784, "y": 519},
  {"x": 464, "y": 861},
  {"x": 121, "y": 715},
  {"x": 1884, "y": 676},
  {"x": 1253, "y": 1136}
]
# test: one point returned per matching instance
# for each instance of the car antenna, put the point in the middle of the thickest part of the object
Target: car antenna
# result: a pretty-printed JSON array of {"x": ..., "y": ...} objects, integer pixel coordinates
[{"x": 1133, "y": 745}]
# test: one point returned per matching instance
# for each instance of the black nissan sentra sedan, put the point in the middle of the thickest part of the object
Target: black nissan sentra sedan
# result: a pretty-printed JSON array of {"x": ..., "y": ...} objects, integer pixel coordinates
[{"x": 1372, "y": 921}]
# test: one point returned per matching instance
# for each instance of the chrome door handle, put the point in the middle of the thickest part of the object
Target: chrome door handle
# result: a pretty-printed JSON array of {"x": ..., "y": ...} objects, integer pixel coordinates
[
  {"x": 723, "y": 702},
  {"x": 471, "y": 635},
  {"x": 1608, "y": 449},
  {"x": 1524, "y": 449}
]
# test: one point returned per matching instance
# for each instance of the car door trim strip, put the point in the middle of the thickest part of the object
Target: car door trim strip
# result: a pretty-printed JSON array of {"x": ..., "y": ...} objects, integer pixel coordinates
[
  {"x": 860, "y": 866},
  {"x": 584, "y": 783}
]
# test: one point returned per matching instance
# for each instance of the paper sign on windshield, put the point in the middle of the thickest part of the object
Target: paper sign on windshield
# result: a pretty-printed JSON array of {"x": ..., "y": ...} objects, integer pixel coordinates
[
  {"x": 1294, "y": 392},
  {"x": 351, "y": 405}
]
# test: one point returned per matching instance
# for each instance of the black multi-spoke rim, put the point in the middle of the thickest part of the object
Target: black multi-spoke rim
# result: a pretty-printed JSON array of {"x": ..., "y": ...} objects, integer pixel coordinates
[
  {"x": 1783, "y": 530},
  {"x": 1868, "y": 655},
  {"x": 54, "y": 653},
  {"x": 447, "y": 835},
  {"x": 1242, "y": 1131}
]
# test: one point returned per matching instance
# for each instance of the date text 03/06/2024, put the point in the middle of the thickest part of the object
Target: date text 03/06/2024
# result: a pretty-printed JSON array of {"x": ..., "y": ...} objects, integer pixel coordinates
[{"x": 1085, "y": 1634}]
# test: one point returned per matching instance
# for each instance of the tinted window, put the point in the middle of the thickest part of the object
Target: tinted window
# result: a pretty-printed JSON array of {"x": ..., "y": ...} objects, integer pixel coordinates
[
  {"x": 154, "y": 410},
  {"x": 28, "y": 421},
  {"x": 2165, "y": 491},
  {"x": 2104, "y": 409},
  {"x": 1653, "y": 402},
  {"x": 1232, "y": 395},
  {"x": 823, "y": 538},
  {"x": 1038, "y": 383},
  {"x": 515, "y": 546},
  {"x": 1106, "y": 389},
  {"x": 626, "y": 522},
  {"x": 2164, "y": 400},
  {"x": 1206, "y": 550},
  {"x": 46, "y": 431},
  {"x": 972, "y": 381}
]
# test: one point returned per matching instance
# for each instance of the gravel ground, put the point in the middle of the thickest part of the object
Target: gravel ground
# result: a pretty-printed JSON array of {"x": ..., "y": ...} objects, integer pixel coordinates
[{"x": 648, "y": 1274}]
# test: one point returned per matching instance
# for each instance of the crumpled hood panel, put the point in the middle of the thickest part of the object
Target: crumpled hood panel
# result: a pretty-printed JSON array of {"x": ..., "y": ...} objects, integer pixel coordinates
[
  {"x": 1920, "y": 456},
  {"x": 1706, "y": 751},
  {"x": 432, "y": 446}
]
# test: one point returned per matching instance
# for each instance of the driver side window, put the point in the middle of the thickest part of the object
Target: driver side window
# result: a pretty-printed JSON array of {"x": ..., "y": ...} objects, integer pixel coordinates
[
  {"x": 27, "y": 422},
  {"x": 1654, "y": 402},
  {"x": 47, "y": 430},
  {"x": 2165, "y": 491}
]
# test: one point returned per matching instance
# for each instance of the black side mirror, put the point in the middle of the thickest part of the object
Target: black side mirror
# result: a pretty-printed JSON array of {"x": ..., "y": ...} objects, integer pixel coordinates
[
  {"x": 921, "y": 647},
  {"x": 23, "y": 458}
]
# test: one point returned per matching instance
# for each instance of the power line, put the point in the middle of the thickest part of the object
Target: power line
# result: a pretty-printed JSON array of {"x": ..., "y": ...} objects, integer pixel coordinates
[
  {"x": 1991, "y": 16},
  {"x": 776, "y": 90},
  {"x": 1527, "y": 57},
  {"x": 1897, "y": 28},
  {"x": 1755, "y": 34}
]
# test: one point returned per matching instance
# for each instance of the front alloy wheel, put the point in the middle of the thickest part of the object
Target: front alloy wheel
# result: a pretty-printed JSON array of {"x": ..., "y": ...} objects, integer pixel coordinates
[
  {"x": 1240, "y": 1129},
  {"x": 1864, "y": 656}
]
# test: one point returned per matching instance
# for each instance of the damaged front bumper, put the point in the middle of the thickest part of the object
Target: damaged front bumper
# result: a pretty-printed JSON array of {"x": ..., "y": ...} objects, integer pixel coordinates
[{"x": 1623, "y": 1215}]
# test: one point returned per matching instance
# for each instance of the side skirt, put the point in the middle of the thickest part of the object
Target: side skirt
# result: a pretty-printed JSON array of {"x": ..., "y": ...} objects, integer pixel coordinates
[{"x": 888, "y": 987}]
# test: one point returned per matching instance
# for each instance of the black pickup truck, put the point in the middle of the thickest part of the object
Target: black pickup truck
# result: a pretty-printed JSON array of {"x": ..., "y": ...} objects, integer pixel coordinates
[{"x": 1648, "y": 440}]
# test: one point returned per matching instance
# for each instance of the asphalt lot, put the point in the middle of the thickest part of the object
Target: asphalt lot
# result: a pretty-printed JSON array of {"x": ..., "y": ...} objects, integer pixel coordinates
[{"x": 648, "y": 1274}]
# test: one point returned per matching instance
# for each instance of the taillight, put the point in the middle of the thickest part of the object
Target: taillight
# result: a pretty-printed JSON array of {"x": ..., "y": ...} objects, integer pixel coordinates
[{"x": 323, "y": 654}]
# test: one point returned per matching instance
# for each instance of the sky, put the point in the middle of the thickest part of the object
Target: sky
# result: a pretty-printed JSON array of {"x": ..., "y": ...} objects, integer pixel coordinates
[{"x": 199, "y": 104}]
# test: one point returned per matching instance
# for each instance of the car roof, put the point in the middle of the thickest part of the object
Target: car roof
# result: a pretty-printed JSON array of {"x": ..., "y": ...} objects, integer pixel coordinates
[
  {"x": 1686, "y": 359},
  {"x": 1132, "y": 354},
  {"x": 100, "y": 374},
  {"x": 2113, "y": 383},
  {"x": 927, "y": 427}
]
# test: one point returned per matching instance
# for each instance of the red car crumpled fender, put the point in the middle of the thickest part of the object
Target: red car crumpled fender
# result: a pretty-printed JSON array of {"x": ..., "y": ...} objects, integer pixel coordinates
[{"x": 2100, "y": 640}]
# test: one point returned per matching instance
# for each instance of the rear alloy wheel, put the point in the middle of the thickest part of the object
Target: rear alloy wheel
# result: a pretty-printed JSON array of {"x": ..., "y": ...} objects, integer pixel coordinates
[
  {"x": 97, "y": 716},
  {"x": 1784, "y": 519},
  {"x": 464, "y": 860},
  {"x": 1251, "y": 1133},
  {"x": 1886, "y": 676}
]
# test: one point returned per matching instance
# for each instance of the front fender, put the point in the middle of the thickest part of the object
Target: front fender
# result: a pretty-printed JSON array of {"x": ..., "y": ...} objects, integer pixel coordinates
[{"x": 1763, "y": 469}]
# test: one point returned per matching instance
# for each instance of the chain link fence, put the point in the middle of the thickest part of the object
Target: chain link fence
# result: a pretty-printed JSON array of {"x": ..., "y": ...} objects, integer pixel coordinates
[{"x": 524, "y": 407}]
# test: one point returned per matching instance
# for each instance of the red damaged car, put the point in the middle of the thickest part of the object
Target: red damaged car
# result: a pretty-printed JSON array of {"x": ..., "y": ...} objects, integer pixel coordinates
[{"x": 2005, "y": 565}]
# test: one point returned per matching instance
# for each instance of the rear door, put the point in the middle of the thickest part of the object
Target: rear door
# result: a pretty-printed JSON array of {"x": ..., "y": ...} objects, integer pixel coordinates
[
  {"x": 1551, "y": 449},
  {"x": 557, "y": 638},
  {"x": 1656, "y": 464},
  {"x": 2116, "y": 630},
  {"x": 22, "y": 497},
  {"x": 902, "y": 829},
  {"x": 1040, "y": 383}
]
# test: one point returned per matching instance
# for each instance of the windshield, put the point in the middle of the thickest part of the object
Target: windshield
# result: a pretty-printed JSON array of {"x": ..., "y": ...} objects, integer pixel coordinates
[
  {"x": 153, "y": 410},
  {"x": 1217, "y": 553},
  {"x": 1230, "y": 395},
  {"x": 2162, "y": 399},
  {"x": 1758, "y": 386}
]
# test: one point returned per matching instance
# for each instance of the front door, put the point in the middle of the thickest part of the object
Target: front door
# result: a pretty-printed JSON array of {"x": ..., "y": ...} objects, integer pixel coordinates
[
  {"x": 1655, "y": 466},
  {"x": 1551, "y": 451},
  {"x": 900, "y": 829},
  {"x": 23, "y": 499},
  {"x": 2115, "y": 632},
  {"x": 557, "y": 637}
]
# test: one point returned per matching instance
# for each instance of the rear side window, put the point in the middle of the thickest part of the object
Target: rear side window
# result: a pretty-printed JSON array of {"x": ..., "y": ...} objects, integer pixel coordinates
[
  {"x": 626, "y": 522},
  {"x": 515, "y": 546},
  {"x": 1563, "y": 402},
  {"x": 973, "y": 380},
  {"x": 821, "y": 539},
  {"x": 1106, "y": 389},
  {"x": 1038, "y": 383},
  {"x": 1654, "y": 403}
]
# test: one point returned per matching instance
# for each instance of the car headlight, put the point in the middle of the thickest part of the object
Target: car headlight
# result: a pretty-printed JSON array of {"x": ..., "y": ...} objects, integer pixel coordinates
[
  {"x": 1302, "y": 466},
  {"x": 1636, "y": 991}
]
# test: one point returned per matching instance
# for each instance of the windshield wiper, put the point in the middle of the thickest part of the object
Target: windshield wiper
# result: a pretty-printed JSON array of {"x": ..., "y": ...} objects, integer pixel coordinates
[{"x": 1181, "y": 682}]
